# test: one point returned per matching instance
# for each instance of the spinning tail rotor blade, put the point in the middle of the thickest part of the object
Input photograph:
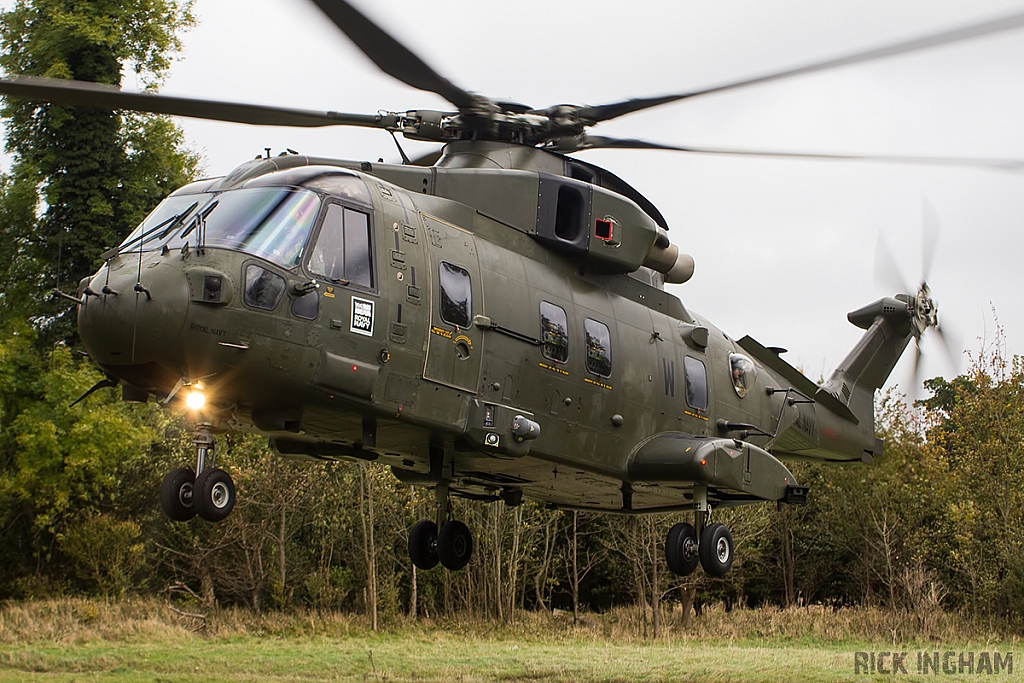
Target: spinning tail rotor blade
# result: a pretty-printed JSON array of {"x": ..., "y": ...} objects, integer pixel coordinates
[
  {"x": 887, "y": 273},
  {"x": 100, "y": 96},
  {"x": 596, "y": 114},
  {"x": 391, "y": 56},
  {"x": 951, "y": 345},
  {"x": 916, "y": 372}
]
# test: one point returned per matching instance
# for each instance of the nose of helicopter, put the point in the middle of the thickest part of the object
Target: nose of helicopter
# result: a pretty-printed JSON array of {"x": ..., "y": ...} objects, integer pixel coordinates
[{"x": 121, "y": 323}]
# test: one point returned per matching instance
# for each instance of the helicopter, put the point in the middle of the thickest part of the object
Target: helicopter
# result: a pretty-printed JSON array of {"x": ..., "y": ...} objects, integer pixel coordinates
[{"x": 492, "y": 323}]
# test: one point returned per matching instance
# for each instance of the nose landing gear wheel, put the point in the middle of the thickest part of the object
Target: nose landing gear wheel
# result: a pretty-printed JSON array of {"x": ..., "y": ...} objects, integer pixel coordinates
[
  {"x": 423, "y": 544},
  {"x": 681, "y": 549},
  {"x": 716, "y": 549},
  {"x": 214, "y": 495},
  {"x": 176, "y": 494},
  {"x": 454, "y": 545}
]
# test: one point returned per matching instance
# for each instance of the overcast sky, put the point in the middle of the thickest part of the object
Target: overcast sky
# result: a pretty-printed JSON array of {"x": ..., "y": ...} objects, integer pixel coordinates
[{"x": 784, "y": 249}]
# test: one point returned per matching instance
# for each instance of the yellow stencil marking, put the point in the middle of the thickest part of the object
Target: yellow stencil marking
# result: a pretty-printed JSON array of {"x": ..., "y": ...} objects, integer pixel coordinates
[{"x": 552, "y": 368}]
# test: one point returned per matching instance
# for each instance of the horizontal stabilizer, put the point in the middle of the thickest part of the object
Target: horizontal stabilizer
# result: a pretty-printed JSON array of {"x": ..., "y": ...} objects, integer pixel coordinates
[{"x": 796, "y": 378}]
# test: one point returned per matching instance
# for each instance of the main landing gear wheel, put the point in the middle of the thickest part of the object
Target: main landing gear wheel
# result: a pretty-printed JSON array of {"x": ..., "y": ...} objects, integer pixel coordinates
[
  {"x": 454, "y": 545},
  {"x": 423, "y": 544},
  {"x": 716, "y": 549},
  {"x": 214, "y": 495},
  {"x": 681, "y": 549},
  {"x": 176, "y": 494}
]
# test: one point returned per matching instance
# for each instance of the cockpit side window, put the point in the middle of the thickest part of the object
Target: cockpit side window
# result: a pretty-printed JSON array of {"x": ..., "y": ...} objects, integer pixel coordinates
[
  {"x": 342, "y": 251},
  {"x": 743, "y": 373}
]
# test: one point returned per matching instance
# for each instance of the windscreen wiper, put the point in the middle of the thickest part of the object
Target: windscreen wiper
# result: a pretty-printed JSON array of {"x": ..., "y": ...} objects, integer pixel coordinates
[
  {"x": 200, "y": 218},
  {"x": 171, "y": 223},
  {"x": 178, "y": 220}
]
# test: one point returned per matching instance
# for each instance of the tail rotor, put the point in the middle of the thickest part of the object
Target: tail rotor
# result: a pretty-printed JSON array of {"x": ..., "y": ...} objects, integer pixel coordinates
[{"x": 922, "y": 308}]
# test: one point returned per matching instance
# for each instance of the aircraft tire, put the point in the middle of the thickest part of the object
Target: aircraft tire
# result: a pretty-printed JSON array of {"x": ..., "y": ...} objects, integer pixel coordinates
[
  {"x": 681, "y": 549},
  {"x": 423, "y": 544},
  {"x": 176, "y": 494},
  {"x": 214, "y": 495},
  {"x": 716, "y": 549},
  {"x": 454, "y": 545}
]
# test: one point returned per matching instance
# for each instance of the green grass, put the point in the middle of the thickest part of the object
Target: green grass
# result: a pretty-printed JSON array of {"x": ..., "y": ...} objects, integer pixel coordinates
[
  {"x": 142, "y": 641},
  {"x": 440, "y": 656}
]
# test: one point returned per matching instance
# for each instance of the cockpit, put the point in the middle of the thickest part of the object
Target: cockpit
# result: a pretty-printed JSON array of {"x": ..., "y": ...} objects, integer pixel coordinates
[{"x": 272, "y": 217}]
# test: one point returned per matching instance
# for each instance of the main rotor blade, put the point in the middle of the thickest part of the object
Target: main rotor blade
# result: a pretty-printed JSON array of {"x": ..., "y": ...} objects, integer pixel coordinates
[
  {"x": 391, "y": 56},
  {"x": 601, "y": 142},
  {"x": 595, "y": 114},
  {"x": 100, "y": 96}
]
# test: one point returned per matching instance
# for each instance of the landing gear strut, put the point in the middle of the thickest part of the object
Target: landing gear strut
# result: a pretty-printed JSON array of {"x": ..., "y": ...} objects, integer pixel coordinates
[
  {"x": 447, "y": 541},
  {"x": 211, "y": 495},
  {"x": 714, "y": 550}
]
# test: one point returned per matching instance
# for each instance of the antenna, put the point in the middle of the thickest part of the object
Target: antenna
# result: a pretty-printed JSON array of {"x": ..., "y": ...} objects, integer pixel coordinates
[{"x": 138, "y": 290}]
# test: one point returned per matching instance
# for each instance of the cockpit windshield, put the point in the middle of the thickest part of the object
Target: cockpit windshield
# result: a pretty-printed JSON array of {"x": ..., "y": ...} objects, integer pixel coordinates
[
  {"x": 269, "y": 222},
  {"x": 166, "y": 218}
]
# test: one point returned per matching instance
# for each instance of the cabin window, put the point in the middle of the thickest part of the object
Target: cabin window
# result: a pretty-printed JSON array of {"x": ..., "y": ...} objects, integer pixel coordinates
[
  {"x": 554, "y": 332},
  {"x": 599, "y": 348},
  {"x": 342, "y": 252},
  {"x": 456, "y": 295},
  {"x": 743, "y": 373},
  {"x": 696, "y": 383},
  {"x": 263, "y": 288}
]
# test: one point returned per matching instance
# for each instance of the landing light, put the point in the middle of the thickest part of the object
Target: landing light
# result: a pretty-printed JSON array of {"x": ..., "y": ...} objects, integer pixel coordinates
[{"x": 195, "y": 400}]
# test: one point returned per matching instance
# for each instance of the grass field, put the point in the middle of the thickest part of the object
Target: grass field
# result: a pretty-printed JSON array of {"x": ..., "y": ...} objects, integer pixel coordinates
[{"x": 86, "y": 641}]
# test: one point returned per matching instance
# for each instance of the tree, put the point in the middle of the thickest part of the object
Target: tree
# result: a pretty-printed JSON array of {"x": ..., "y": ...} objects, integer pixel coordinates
[
  {"x": 979, "y": 434},
  {"x": 82, "y": 178},
  {"x": 61, "y": 469}
]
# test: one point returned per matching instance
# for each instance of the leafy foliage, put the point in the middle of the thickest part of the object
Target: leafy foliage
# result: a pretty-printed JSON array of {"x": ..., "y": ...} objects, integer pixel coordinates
[{"x": 82, "y": 178}]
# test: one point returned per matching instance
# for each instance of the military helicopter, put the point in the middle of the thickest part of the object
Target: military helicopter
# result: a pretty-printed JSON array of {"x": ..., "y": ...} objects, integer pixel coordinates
[{"x": 494, "y": 325}]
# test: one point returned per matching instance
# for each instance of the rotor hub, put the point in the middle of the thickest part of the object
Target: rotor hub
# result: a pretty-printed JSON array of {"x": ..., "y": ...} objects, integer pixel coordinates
[{"x": 925, "y": 310}]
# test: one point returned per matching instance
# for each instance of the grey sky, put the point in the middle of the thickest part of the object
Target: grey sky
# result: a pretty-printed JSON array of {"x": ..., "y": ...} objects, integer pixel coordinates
[{"x": 784, "y": 249}]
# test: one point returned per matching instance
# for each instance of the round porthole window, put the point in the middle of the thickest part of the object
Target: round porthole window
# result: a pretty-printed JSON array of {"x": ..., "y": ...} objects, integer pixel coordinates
[{"x": 744, "y": 372}]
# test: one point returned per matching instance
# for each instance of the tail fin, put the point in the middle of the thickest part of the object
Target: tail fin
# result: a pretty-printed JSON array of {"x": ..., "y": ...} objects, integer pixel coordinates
[{"x": 890, "y": 327}]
